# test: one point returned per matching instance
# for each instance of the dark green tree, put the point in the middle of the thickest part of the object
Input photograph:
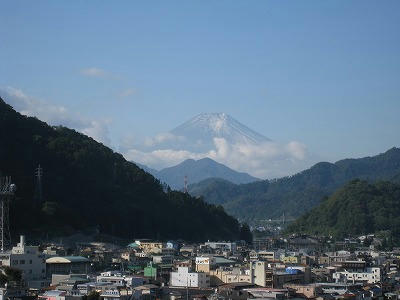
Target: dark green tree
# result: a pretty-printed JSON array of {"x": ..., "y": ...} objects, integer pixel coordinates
[
  {"x": 245, "y": 234},
  {"x": 359, "y": 208},
  {"x": 87, "y": 185}
]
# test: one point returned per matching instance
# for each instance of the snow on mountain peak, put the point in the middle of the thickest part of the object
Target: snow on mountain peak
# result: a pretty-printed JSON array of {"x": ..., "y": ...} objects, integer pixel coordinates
[{"x": 207, "y": 126}]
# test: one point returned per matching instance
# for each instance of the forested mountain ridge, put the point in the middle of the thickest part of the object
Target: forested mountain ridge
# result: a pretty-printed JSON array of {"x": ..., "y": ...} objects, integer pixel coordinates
[
  {"x": 299, "y": 193},
  {"x": 86, "y": 184},
  {"x": 196, "y": 171},
  {"x": 357, "y": 208}
]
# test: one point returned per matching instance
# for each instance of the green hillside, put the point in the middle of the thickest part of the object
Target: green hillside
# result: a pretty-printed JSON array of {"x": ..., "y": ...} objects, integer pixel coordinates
[
  {"x": 357, "y": 208},
  {"x": 296, "y": 194},
  {"x": 86, "y": 184}
]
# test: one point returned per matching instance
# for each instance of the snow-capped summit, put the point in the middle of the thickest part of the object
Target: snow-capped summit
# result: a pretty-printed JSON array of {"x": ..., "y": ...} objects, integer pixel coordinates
[{"x": 204, "y": 127}]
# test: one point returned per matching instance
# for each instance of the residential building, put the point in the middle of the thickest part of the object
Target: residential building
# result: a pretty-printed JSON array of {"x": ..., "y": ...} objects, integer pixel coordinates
[
  {"x": 117, "y": 278},
  {"x": 162, "y": 259},
  {"x": 267, "y": 255},
  {"x": 128, "y": 256},
  {"x": 306, "y": 290},
  {"x": 150, "y": 271},
  {"x": 204, "y": 263},
  {"x": 116, "y": 293},
  {"x": 337, "y": 288},
  {"x": 222, "y": 246},
  {"x": 53, "y": 295},
  {"x": 228, "y": 275},
  {"x": 369, "y": 275},
  {"x": 290, "y": 259},
  {"x": 30, "y": 261},
  {"x": 184, "y": 278},
  {"x": 263, "y": 276},
  {"x": 150, "y": 246}
]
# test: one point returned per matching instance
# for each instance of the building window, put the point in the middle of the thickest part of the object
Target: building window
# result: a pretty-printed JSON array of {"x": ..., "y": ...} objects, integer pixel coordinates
[
  {"x": 22, "y": 262},
  {"x": 30, "y": 261}
]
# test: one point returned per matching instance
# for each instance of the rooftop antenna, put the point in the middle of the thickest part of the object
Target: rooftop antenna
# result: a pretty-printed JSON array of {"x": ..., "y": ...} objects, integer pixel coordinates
[
  {"x": 7, "y": 191},
  {"x": 185, "y": 184}
]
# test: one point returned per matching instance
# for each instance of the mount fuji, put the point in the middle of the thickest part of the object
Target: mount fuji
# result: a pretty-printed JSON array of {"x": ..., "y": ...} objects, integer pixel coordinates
[
  {"x": 223, "y": 139},
  {"x": 203, "y": 128}
]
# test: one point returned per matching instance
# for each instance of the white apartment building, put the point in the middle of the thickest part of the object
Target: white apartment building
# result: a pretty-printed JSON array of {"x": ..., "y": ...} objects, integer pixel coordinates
[
  {"x": 115, "y": 277},
  {"x": 115, "y": 293},
  {"x": 370, "y": 275},
  {"x": 30, "y": 261},
  {"x": 184, "y": 278}
]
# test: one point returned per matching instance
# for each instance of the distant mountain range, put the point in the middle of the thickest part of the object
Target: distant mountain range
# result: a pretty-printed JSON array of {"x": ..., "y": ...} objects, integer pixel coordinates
[
  {"x": 225, "y": 140},
  {"x": 296, "y": 194},
  {"x": 196, "y": 171},
  {"x": 358, "y": 208}
]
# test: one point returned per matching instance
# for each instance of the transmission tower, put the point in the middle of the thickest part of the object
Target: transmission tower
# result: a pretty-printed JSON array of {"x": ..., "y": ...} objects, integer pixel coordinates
[
  {"x": 7, "y": 190},
  {"x": 185, "y": 184},
  {"x": 39, "y": 191}
]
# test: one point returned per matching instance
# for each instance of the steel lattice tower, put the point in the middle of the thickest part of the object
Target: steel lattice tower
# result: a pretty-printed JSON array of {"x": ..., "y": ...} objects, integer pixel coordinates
[
  {"x": 185, "y": 184},
  {"x": 38, "y": 188},
  {"x": 7, "y": 190}
]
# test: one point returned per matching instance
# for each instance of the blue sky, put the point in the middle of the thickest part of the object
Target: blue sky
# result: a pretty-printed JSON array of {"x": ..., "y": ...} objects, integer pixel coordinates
[{"x": 323, "y": 73}]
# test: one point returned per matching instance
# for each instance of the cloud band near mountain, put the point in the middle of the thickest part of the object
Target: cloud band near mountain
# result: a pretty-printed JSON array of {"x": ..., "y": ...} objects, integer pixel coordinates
[{"x": 265, "y": 160}]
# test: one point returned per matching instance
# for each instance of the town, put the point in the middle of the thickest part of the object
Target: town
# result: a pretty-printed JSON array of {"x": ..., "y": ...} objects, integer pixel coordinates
[
  {"x": 272, "y": 268},
  {"x": 199, "y": 150}
]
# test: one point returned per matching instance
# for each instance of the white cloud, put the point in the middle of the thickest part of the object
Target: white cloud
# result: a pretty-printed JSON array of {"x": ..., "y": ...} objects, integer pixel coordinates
[
  {"x": 267, "y": 160},
  {"x": 298, "y": 150},
  {"x": 93, "y": 72},
  {"x": 55, "y": 114},
  {"x": 162, "y": 138},
  {"x": 98, "y": 130},
  {"x": 127, "y": 92},
  {"x": 161, "y": 158}
]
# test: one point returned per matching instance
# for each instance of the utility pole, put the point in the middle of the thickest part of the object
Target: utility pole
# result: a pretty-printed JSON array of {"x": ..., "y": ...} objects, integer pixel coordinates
[{"x": 7, "y": 191}]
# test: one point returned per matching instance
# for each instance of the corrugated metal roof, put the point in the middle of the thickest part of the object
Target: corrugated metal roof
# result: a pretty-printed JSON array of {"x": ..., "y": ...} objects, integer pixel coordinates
[{"x": 66, "y": 259}]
